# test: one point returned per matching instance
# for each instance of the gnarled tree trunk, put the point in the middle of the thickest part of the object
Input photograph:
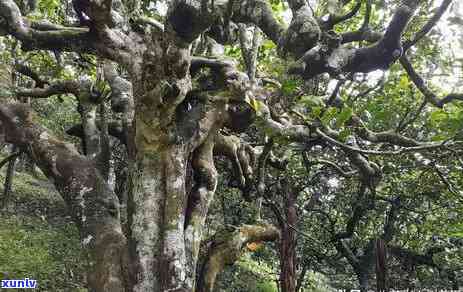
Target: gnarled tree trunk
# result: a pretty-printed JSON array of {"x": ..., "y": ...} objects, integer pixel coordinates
[
  {"x": 173, "y": 143},
  {"x": 171, "y": 128},
  {"x": 93, "y": 205}
]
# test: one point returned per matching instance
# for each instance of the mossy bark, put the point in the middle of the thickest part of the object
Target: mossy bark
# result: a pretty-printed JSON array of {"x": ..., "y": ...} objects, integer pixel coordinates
[
  {"x": 92, "y": 204},
  {"x": 164, "y": 142},
  {"x": 157, "y": 202}
]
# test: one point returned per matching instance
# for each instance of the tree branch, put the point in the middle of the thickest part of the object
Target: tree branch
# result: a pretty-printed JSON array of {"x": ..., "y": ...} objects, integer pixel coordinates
[
  {"x": 333, "y": 165},
  {"x": 60, "y": 87},
  {"x": 92, "y": 203},
  {"x": 420, "y": 84},
  {"x": 421, "y": 147},
  {"x": 27, "y": 71},
  {"x": 111, "y": 44},
  {"x": 429, "y": 25},
  {"x": 227, "y": 248},
  {"x": 341, "y": 60},
  {"x": 242, "y": 157},
  {"x": 414, "y": 257},
  {"x": 9, "y": 177},
  {"x": 200, "y": 197},
  {"x": 335, "y": 19},
  {"x": 9, "y": 158},
  {"x": 98, "y": 12},
  {"x": 69, "y": 39},
  {"x": 390, "y": 137},
  {"x": 115, "y": 129},
  {"x": 260, "y": 13}
]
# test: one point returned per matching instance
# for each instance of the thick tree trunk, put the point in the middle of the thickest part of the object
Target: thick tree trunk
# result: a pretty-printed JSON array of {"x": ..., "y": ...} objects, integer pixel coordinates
[
  {"x": 92, "y": 204},
  {"x": 157, "y": 198},
  {"x": 166, "y": 220},
  {"x": 157, "y": 202}
]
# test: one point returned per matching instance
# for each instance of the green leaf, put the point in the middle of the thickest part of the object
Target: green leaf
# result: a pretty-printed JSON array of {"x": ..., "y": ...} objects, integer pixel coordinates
[
  {"x": 289, "y": 86},
  {"x": 403, "y": 83},
  {"x": 316, "y": 111},
  {"x": 344, "y": 134},
  {"x": 268, "y": 45},
  {"x": 255, "y": 104},
  {"x": 344, "y": 116},
  {"x": 311, "y": 100},
  {"x": 437, "y": 117},
  {"x": 439, "y": 137},
  {"x": 329, "y": 115}
]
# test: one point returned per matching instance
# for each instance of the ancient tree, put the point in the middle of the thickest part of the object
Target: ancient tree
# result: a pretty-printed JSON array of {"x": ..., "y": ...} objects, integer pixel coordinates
[{"x": 180, "y": 103}]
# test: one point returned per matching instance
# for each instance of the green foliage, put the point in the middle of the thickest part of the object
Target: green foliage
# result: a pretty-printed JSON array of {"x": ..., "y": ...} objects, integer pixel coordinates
[
  {"x": 266, "y": 287},
  {"x": 316, "y": 282},
  {"x": 48, "y": 7},
  {"x": 311, "y": 101},
  {"x": 290, "y": 86},
  {"x": 343, "y": 116},
  {"x": 31, "y": 246},
  {"x": 247, "y": 275},
  {"x": 233, "y": 52},
  {"x": 57, "y": 115},
  {"x": 448, "y": 121}
]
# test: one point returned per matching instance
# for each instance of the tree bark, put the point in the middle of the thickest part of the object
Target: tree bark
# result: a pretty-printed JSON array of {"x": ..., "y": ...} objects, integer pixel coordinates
[
  {"x": 157, "y": 202},
  {"x": 166, "y": 219},
  {"x": 92, "y": 204},
  {"x": 171, "y": 134},
  {"x": 288, "y": 243},
  {"x": 158, "y": 157},
  {"x": 227, "y": 248},
  {"x": 8, "y": 181},
  {"x": 381, "y": 266}
]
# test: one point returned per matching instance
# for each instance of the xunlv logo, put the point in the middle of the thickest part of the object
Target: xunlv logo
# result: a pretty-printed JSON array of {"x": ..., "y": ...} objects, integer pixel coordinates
[{"x": 24, "y": 283}]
